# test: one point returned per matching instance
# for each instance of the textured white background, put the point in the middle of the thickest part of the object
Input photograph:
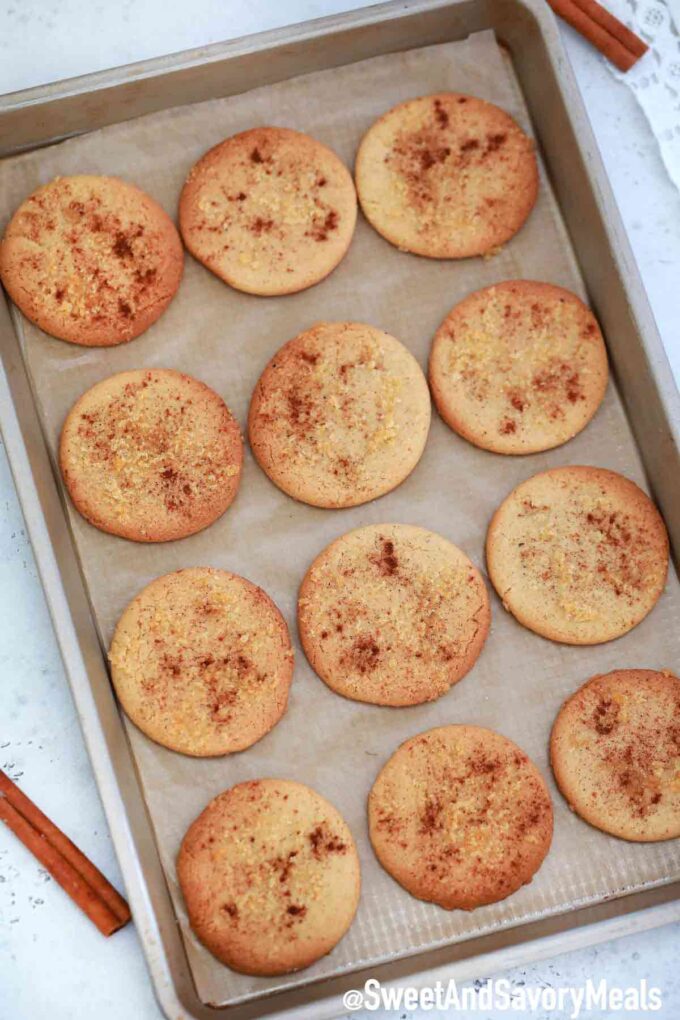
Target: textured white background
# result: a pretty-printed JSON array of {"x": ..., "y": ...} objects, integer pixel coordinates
[{"x": 52, "y": 963}]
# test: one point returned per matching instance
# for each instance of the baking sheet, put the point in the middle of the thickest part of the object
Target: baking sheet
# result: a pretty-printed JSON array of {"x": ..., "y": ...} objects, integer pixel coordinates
[{"x": 226, "y": 338}]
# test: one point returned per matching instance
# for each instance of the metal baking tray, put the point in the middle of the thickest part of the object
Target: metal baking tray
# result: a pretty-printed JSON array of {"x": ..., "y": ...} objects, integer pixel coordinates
[{"x": 40, "y": 116}]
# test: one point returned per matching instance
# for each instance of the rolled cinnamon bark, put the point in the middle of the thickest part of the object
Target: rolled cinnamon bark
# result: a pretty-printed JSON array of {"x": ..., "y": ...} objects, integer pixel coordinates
[
  {"x": 637, "y": 46},
  {"x": 575, "y": 14},
  {"x": 77, "y": 875}
]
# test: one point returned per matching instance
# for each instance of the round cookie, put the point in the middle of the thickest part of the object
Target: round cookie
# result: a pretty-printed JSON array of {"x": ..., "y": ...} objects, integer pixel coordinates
[
  {"x": 269, "y": 211},
  {"x": 270, "y": 876},
  {"x": 151, "y": 455},
  {"x": 615, "y": 752},
  {"x": 518, "y": 367},
  {"x": 578, "y": 554},
  {"x": 340, "y": 415},
  {"x": 201, "y": 661},
  {"x": 92, "y": 260},
  {"x": 460, "y": 816},
  {"x": 446, "y": 176},
  {"x": 392, "y": 614}
]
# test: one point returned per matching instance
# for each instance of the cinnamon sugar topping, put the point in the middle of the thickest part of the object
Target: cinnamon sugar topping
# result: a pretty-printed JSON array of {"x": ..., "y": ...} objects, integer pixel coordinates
[
  {"x": 270, "y": 211},
  {"x": 615, "y": 749},
  {"x": 460, "y": 817},
  {"x": 578, "y": 554},
  {"x": 290, "y": 865},
  {"x": 518, "y": 367},
  {"x": 446, "y": 176},
  {"x": 202, "y": 662},
  {"x": 392, "y": 615},
  {"x": 91, "y": 259},
  {"x": 340, "y": 415},
  {"x": 151, "y": 455}
]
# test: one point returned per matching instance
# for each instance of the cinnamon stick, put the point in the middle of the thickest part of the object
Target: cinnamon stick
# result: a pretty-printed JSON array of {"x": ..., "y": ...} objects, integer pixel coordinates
[
  {"x": 594, "y": 26},
  {"x": 77, "y": 875},
  {"x": 637, "y": 46}
]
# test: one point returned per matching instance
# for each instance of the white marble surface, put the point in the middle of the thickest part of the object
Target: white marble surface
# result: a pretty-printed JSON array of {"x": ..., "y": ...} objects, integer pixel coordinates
[{"x": 52, "y": 962}]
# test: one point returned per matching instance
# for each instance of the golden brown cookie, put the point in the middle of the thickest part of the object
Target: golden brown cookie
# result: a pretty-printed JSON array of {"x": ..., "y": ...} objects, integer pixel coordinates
[
  {"x": 518, "y": 367},
  {"x": 201, "y": 661},
  {"x": 340, "y": 415},
  {"x": 460, "y": 816},
  {"x": 269, "y": 211},
  {"x": 270, "y": 876},
  {"x": 578, "y": 554},
  {"x": 151, "y": 455},
  {"x": 446, "y": 176},
  {"x": 615, "y": 752},
  {"x": 392, "y": 614},
  {"x": 92, "y": 260}
]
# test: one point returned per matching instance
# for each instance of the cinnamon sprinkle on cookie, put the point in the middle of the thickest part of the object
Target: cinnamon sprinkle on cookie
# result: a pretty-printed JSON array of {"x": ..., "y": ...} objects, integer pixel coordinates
[
  {"x": 151, "y": 455},
  {"x": 392, "y": 614},
  {"x": 518, "y": 367},
  {"x": 270, "y": 876},
  {"x": 460, "y": 816},
  {"x": 92, "y": 260},
  {"x": 615, "y": 752},
  {"x": 340, "y": 415},
  {"x": 269, "y": 211},
  {"x": 201, "y": 661},
  {"x": 578, "y": 554},
  {"x": 446, "y": 176}
]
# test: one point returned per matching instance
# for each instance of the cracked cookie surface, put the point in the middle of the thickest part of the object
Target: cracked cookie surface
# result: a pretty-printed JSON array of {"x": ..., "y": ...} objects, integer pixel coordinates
[
  {"x": 392, "y": 614},
  {"x": 578, "y": 554},
  {"x": 270, "y": 876},
  {"x": 201, "y": 661},
  {"x": 92, "y": 260}
]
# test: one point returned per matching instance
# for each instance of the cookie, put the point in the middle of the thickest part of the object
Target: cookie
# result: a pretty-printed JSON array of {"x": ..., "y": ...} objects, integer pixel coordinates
[
  {"x": 340, "y": 415},
  {"x": 518, "y": 367},
  {"x": 392, "y": 614},
  {"x": 578, "y": 554},
  {"x": 269, "y": 211},
  {"x": 201, "y": 661},
  {"x": 460, "y": 816},
  {"x": 446, "y": 176},
  {"x": 92, "y": 260},
  {"x": 151, "y": 455},
  {"x": 615, "y": 752},
  {"x": 270, "y": 876}
]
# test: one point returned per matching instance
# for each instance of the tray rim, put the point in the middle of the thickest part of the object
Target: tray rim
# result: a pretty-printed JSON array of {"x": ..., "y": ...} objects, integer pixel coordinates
[{"x": 23, "y": 452}]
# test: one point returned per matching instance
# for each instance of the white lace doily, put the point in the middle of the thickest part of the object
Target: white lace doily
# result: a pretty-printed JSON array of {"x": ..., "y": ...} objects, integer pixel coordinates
[{"x": 655, "y": 79}]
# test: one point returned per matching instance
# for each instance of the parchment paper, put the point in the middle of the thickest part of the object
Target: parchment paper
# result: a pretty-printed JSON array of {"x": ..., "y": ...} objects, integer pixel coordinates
[{"x": 226, "y": 338}]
